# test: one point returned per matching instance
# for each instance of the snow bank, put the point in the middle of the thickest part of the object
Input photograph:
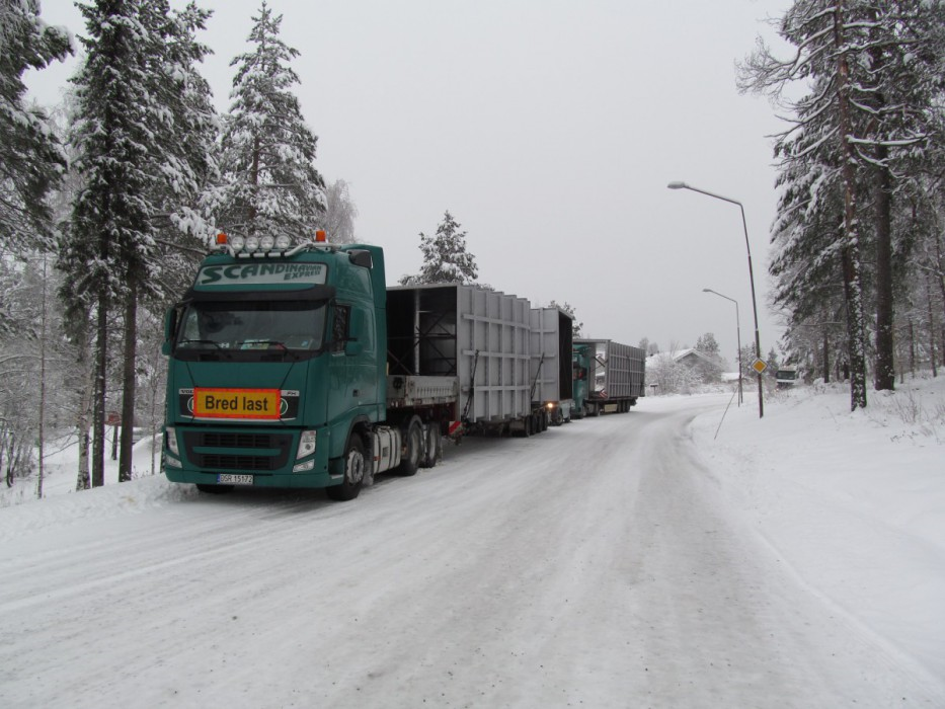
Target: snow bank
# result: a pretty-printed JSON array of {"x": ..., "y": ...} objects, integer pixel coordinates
[
  {"x": 21, "y": 513},
  {"x": 853, "y": 503}
]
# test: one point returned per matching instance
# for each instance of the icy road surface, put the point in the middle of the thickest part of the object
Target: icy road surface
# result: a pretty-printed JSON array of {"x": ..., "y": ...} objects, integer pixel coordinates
[{"x": 593, "y": 565}]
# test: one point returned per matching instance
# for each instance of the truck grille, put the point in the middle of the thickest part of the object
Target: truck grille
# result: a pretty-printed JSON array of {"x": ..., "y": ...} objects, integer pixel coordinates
[
  {"x": 259, "y": 452},
  {"x": 235, "y": 462},
  {"x": 236, "y": 440}
]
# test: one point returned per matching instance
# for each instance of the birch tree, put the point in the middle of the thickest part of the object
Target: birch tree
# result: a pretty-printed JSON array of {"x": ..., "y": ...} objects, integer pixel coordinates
[{"x": 340, "y": 213}]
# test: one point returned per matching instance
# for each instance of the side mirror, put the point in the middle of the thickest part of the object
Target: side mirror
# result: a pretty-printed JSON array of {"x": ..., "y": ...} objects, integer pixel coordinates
[
  {"x": 170, "y": 329},
  {"x": 353, "y": 348},
  {"x": 361, "y": 257}
]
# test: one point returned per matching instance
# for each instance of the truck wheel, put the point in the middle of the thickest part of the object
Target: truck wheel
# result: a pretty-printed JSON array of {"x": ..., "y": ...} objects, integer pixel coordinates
[
  {"x": 413, "y": 450},
  {"x": 355, "y": 468},
  {"x": 433, "y": 446}
]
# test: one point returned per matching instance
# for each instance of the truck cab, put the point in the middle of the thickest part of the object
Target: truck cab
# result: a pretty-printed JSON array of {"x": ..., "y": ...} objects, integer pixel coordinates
[{"x": 277, "y": 355}]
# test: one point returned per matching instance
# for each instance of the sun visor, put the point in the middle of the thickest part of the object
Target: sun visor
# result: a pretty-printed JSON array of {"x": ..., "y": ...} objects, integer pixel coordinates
[{"x": 313, "y": 293}]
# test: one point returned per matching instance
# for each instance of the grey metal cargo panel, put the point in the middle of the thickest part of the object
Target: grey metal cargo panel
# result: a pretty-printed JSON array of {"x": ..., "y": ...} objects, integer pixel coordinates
[
  {"x": 551, "y": 371},
  {"x": 616, "y": 371},
  {"x": 479, "y": 336}
]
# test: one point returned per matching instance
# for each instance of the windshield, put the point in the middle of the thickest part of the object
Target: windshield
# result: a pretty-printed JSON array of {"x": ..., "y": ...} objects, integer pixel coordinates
[{"x": 246, "y": 326}]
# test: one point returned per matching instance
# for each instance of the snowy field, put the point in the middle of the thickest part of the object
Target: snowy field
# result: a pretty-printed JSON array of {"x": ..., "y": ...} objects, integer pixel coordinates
[{"x": 651, "y": 559}]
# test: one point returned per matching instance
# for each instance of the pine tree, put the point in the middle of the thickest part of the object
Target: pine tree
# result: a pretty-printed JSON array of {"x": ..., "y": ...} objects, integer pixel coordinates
[
  {"x": 445, "y": 258},
  {"x": 267, "y": 151},
  {"x": 31, "y": 159},
  {"x": 871, "y": 79},
  {"x": 134, "y": 132}
]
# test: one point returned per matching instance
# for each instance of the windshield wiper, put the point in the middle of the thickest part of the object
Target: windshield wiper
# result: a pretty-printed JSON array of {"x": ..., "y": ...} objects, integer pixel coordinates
[
  {"x": 261, "y": 344},
  {"x": 200, "y": 342}
]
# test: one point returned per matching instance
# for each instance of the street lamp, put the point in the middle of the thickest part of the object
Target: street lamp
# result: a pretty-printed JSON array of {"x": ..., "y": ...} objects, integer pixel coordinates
[
  {"x": 738, "y": 332},
  {"x": 751, "y": 276}
]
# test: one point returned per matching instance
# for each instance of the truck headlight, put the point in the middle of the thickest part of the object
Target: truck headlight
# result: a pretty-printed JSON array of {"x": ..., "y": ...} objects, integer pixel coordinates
[
  {"x": 170, "y": 440},
  {"x": 306, "y": 444}
]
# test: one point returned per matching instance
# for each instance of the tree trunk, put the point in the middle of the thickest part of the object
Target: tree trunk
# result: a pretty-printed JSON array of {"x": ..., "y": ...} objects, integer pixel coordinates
[
  {"x": 852, "y": 267},
  {"x": 912, "y": 348},
  {"x": 932, "y": 353},
  {"x": 83, "y": 481},
  {"x": 41, "y": 433},
  {"x": 128, "y": 380},
  {"x": 885, "y": 375},
  {"x": 100, "y": 390}
]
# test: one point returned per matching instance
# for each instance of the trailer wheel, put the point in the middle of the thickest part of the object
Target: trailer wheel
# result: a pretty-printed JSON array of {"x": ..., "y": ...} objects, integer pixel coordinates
[
  {"x": 433, "y": 446},
  {"x": 355, "y": 468},
  {"x": 413, "y": 449},
  {"x": 543, "y": 419}
]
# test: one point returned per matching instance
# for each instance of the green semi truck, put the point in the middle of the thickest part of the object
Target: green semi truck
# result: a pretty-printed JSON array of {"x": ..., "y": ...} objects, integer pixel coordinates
[{"x": 288, "y": 369}]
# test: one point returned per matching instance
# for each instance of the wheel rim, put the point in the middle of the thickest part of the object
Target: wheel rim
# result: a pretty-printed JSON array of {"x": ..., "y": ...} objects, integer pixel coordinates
[{"x": 354, "y": 470}]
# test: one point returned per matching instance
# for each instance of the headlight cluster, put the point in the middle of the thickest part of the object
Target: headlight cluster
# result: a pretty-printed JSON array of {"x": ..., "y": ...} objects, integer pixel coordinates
[
  {"x": 261, "y": 244},
  {"x": 306, "y": 448}
]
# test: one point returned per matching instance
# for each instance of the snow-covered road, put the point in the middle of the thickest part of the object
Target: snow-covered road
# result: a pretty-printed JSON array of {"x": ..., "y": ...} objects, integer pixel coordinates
[{"x": 594, "y": 565}]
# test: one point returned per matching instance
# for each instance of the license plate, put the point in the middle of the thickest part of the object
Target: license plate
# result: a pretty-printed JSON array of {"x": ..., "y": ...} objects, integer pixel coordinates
[{"x": 228, "y": 479}]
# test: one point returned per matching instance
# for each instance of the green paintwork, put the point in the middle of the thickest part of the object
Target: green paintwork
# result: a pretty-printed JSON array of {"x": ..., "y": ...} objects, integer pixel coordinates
[
  {"x": 581, "y": 361},
  {"x": 338, "y": 387}
]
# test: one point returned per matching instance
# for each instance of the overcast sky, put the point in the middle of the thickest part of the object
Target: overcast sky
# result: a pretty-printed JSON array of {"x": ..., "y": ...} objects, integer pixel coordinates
[{"x": 549, "y": 129}]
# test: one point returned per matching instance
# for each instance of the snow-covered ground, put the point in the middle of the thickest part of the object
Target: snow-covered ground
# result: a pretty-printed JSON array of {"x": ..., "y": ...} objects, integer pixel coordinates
[
  {"x": 649, "y": 559},
  {"x": 852, "y": 503}
]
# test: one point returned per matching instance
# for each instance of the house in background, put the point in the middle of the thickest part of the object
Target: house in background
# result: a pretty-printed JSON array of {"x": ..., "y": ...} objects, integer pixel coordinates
[
  {"x": 684, "y": 370},
  {"x": 708, "y": 367}
]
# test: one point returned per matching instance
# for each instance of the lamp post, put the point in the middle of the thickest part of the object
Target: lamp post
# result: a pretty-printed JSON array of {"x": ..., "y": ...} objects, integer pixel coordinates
[
  {"x": 751, "y": 276},
  {"x": 738, "y": 332}
]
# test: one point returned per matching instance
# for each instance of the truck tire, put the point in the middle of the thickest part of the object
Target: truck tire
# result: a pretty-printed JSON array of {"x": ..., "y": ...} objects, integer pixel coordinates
[
  {"x": 413, "y": 449},
  {"x": 432, "y": 453},
  {"x": 355, "y": 469}
]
